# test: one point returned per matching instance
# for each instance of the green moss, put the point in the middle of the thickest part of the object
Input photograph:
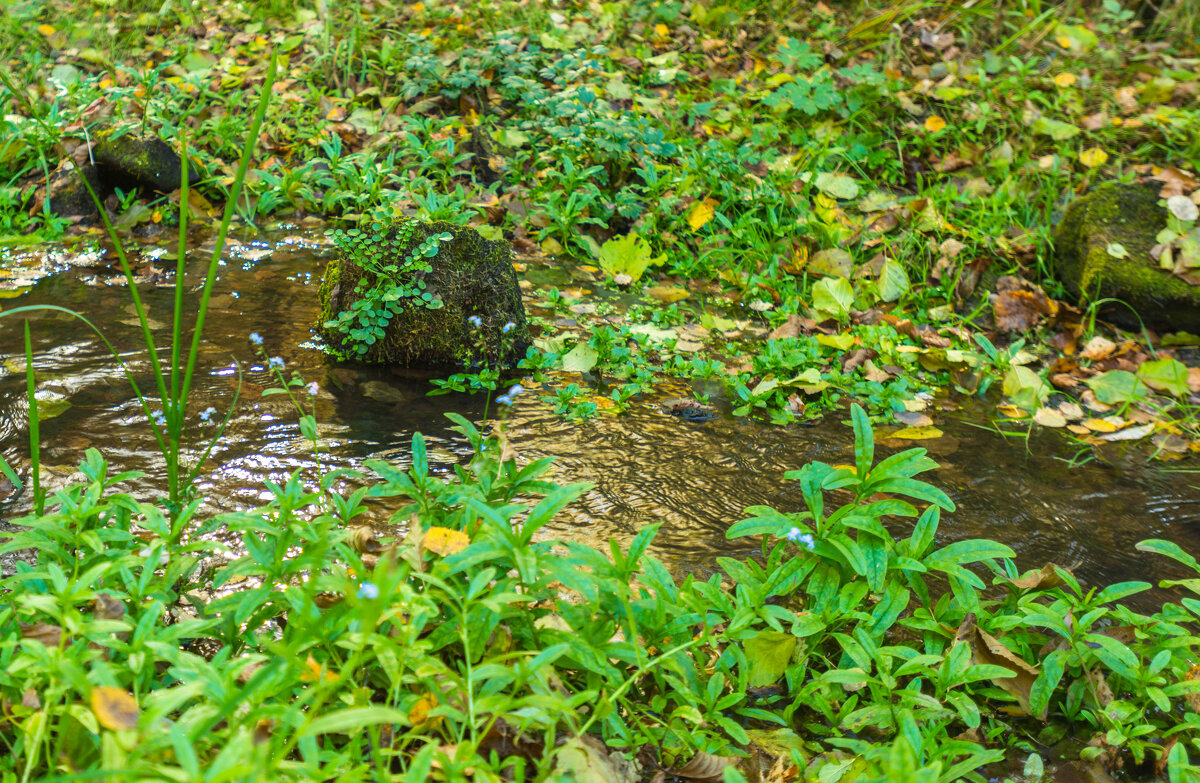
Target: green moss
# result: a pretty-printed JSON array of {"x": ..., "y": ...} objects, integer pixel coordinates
[
  {"x": 472, "y": 276},
  {"x": 1128, "y": 215},
  {"x": 128, "y": 161}
]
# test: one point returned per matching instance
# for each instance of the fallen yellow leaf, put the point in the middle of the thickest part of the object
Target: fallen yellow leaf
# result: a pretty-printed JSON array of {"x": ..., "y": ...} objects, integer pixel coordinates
[
  {"x": 46, "y": 30},
  {"x": 700, "y": 213},
  {"x": 917, "y": 433},
  {"x": 934, "y": 123},
  {"x": 1093, "y": 157},
  {"x": 1064, "y": 79},
  {"x": 1100, "y": 425},
  {"x": 445, "y": 541},
  {"x": 315, "y": 672},
  {"x": 661, "y": 30},
  {"x": 420, "y": 711},
  {"x": 115, "y": 708}
]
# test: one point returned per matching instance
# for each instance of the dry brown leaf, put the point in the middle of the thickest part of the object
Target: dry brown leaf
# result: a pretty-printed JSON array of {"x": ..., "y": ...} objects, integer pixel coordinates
[
  {"x": 47, "y": 634},
  {"x": 1098, "y": 348},
  {"x": 1046, "y": 578},
  {"x": 1019, "y": 311},
  {"x": 706, "y": 768},
  {"x": 988, "y": 650}
]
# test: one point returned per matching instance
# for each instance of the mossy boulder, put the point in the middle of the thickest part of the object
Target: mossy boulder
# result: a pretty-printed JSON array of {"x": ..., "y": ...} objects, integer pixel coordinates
[
  {"x": 128, "y": 161},
  {"x": 1129, "y": 216},
  {"x": 473, "y": 279}
]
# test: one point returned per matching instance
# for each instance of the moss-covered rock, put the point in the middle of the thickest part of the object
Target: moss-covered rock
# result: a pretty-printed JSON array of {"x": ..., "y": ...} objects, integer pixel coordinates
[
  {"x": 129, "y": 161},
  {"x": 471, "y": 276},
  {"x": 1128, "y": 215}
]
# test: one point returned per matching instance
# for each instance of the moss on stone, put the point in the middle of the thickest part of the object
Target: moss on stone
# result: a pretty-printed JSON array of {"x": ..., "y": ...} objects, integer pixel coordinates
[
  {"x": 128, "y": 161},
  {"x": 1128, "y": 215},
  {"x": 471, "y": 275}
]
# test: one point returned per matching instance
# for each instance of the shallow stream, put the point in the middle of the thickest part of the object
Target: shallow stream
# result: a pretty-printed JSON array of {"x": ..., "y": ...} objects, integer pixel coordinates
[{"x": 647, "y": 466}]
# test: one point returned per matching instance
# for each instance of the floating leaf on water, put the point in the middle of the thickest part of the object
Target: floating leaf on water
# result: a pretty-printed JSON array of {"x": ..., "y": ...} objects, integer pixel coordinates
[
  {"x": 917, "y": 433},
  {"x": 115, "y": 708},
  {"x": 51, "y": 404},
  {"x": 581, "y": 358},
  {"x": 627, "y": 255},
  {"x": 668, "y": 294}
]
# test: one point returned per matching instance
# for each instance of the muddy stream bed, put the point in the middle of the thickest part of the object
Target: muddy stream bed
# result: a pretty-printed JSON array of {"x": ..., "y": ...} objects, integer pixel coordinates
[{"x": 647, "y": 466}]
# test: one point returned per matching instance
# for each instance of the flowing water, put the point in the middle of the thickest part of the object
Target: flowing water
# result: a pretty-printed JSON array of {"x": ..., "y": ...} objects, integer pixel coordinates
[{"x": 646, "y": 466}]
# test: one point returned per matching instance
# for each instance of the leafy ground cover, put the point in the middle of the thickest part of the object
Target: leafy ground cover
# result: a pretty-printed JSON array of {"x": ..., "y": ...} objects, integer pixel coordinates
[
  {"x": 811, "y": 206},
  {"x": 473, "y": 649},
  {"x": 841, "y": 202}
]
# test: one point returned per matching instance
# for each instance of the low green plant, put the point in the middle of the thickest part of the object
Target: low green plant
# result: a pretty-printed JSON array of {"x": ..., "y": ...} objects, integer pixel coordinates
[{"x": 395, "y": 267}]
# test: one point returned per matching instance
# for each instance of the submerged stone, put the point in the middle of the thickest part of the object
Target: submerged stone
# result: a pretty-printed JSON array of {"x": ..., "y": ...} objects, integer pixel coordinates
[
  {"x": 423, "y": 295},
  {"x": 1128, "y": 216}
]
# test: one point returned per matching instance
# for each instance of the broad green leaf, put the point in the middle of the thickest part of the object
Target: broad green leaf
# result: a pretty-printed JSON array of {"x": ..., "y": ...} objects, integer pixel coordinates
[
  {"x": 1025, "y": 388},
  {"x": 833, "y": 296},
  {"x": 1165, "y": 375},
  {"x": 1118, "y": 386},
  {"x": 352, "y": 720},
  {"x": 769, "y": 653},
  {"x": 581, "y": 358},
  {"x": 836, "y": 185},
  {"x": 970, "y": 551},
  {"x": 627, "y": 255},
  {"x": 1055, "y": 129},
  {"x": 893, "y": 281}
]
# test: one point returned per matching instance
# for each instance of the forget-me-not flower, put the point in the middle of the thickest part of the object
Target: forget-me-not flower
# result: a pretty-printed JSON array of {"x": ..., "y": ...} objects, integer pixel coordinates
[
  {"x": 508, "y": 327},
  {"x": 800, "y": 537},
  {"x": 476, "y": 321},
  {"x": 160, "y": 419},
  {"x": 313, "y": 388},
  {"x": 275, "y": 363},
  {"x": 207, "y": 413},
  {"x": 256, "y": 338},
  {"x": 515, "y": 390},
  {"x": 368, "y": 591}
]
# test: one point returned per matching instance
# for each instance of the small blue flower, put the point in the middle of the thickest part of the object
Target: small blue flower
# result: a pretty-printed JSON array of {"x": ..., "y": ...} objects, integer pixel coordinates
[
  {"x": 256, "y": 338},
  {"x": 368, "y": 591},
  {"x": 504, "y": 399},
  {"x": 275, "y": 363},
  {"x": 313, "y": 388},
  {"x": 516, "y": 389},
  {"x": 207, "y": 413},
  {"x": 476, "y": 321},
  {"x": 160, "y": 419},
  {"x": 508, "y": 327},
  {"x": 800, "y": 537}
]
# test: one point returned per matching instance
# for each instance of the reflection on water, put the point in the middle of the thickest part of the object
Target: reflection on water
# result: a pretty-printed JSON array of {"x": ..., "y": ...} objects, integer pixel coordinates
[{"x": 646, "y": 466}]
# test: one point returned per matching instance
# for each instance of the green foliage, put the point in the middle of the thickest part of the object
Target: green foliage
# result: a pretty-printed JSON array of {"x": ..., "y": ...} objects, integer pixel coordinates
[
  {"x": 395, "y": 266},
  {"x": 313, "y": 650}
]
